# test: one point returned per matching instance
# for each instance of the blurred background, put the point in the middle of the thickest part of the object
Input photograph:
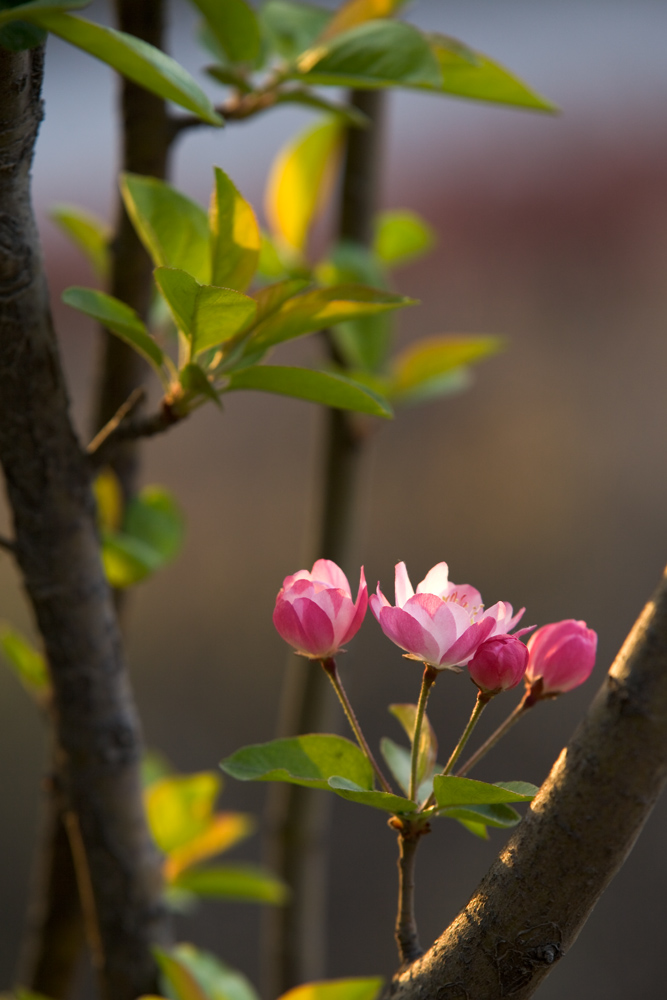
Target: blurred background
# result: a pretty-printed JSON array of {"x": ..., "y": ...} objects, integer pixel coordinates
[{"x": 544, "y": 485}]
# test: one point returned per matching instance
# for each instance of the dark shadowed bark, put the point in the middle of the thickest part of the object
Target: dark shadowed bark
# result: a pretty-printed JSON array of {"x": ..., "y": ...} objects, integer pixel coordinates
[
  {"x": 295, "y": 939},
  {"x": 530, "y": 907},
  {"x": 97, "y": 737}
]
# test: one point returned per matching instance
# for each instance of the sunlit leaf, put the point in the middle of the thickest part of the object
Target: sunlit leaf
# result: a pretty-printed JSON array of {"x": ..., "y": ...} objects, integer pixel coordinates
[
  {"x": 466, "y": 73},
  {"x": 127, "y": 560},
  {"x": 222, "y": 832},
  {"x": 173, "y": 228},
  {"x": 131, "y": 57},
  {"x": 154, "y": 767},
  {"x": 301, "y": 760},
  {"x": 117, "y": 317},
  {"x": 207, "y": 315},
  {"x": 194, "y": 379},
  {"x": 156, "y": 518},
  {"x": 109, "y": 499},
  {"x": 218, "y": 980},
  {"x": 498, "y": 815},
  {"x": 378, "y": 800},
  {"x": 88, "y": 232},
  {"x": 234, "y": 24},
  {"x": 180, "y": 807},
  {"x": 336, "y": 989},
  {"x": 18, "y": 11},
  {"x": 300, "y": 181},
  {"x": 240, "y": 882},
  {"x": 451, "y": 791},
  {"x": 326, "y": 388},
  {"x": 235, "y": 236},
  {"x": 401, "y": 235},
  {"x": 355, "y": 12},
  {"x": 27, "y": 662},
  {"x": 178, "y": 981},
  {"x": 418, "y": 370},
  {"x": 375, "y": 54}
]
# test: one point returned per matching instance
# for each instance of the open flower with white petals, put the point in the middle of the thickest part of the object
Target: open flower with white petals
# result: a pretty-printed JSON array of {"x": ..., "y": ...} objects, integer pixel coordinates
[{"x": 442, "y": 623}]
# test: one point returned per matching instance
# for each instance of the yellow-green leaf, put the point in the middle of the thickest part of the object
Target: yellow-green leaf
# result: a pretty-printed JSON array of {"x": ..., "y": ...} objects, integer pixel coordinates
[
  {"x": 27, "y": 663},
  {"x": 355, "y": 12},
  {"x": 300, "y": 181},
  {"x": 240, "y": 882},
  {"x": 426, "y": 362},
  {"x": 336, "y": 989},
  {"x": 90, "y": 234},
  {"x": 235, "y": 236},
  {"x": 223, "y": 831},
  {"x": 180, "y": 983},
  {"x": 401, "y": 235},
  {"x": 109, "y": 497},
  {"x": 180, "y": 807}
]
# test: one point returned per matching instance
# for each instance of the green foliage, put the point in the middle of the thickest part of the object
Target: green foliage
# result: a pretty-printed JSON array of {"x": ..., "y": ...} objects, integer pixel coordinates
[
  {"x": 178, "y": 982},
  {"x": 235, "y": 236},
  {"x": 208, "y": 316},
  {"x": 336, "y": 989},
  {"x": 235, "y": 27},
  {"x": 424, "y": 370},
  {"x": 377, "y": 800},
  {"x": 239, "y": 882},
  {"x": 428, "y": 743},
  {"x": 451, "y": 791},
  {"x": 325, "y": 388},
  {"x": 290, "y": 27},
  {"x": 88, "y": 232},
  {"x": 133, "y": 58},
  {"x": 218, "y": 980},
  {"x": 400, "y": 236},
  {"x": 173, "y": 228},
  {"x": 302, "y": 760},
  {"x": 27, "y": 663}
]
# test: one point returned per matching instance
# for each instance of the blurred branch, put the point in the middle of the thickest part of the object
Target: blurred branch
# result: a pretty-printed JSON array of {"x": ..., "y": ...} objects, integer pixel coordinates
[
  {"x": 7, "y": 544},
  {"x": 530, "y": 907},
  {"x": 295, "y": 935},
  {"x": 104, "y": 445}
]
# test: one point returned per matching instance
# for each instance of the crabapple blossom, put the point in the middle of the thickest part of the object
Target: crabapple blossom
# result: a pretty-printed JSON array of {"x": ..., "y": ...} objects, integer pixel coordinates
[
  {"x": 499, "y": 664},
  {"x": 561, "y": 656},
  {"x": 315, "y": 612},
  {"x": 443, "y": 623}
]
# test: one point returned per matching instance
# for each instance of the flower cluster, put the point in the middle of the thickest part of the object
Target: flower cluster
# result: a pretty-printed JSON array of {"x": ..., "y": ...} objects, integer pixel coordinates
[{"x": 441, "y": 624}]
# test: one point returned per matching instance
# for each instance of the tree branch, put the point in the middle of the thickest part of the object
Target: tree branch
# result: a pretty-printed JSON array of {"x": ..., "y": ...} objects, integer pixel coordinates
[
  {"x": 7, "y": 544},
  {"x": 97, "y": 737},
  {"x": 530, "y": 907}
]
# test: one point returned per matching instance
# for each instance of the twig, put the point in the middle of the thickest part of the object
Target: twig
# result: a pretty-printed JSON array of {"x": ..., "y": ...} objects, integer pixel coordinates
[
  {"x": 132, "y": 430},
  {"x": 407, "y": 936},
  {"x": 136, "y": 396}
]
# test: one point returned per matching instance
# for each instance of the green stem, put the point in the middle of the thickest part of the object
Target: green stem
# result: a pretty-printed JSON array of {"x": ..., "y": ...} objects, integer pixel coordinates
[
  {"x": 511, "y": 720},
  {"x": 428, "y": 680},
  {"x": 329, "y": 667},
  {"x": 481, "y": 703}
]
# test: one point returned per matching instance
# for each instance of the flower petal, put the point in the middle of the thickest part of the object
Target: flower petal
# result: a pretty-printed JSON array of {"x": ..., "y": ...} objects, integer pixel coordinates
[
  {"x": 402, "y": 586},
  {"x": 360, "y": 608},
  {"x": 406, "y": 632},
  {"x": 466, "y": 645},
  {"x": 288, "y": 625},
  {"x": 327, "y": 572},
  {"x": 436, "y": 580},
  {"x": 317, "y": 627}
]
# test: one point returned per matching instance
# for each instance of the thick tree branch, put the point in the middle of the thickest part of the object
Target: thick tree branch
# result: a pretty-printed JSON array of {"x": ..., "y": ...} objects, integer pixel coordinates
[
  {"x": 297, "y": 819},
  {"x": 530, "y": 907},
  {"x": 7, "y": 544},
  {"x": 97, "y": 737}
]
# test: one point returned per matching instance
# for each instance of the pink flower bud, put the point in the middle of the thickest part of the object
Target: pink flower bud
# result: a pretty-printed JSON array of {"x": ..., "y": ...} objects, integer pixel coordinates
[
  {"x": 561, "y": 656},
  {"x": 499, "y": 664},
  {"x": 315, "y": 612}
]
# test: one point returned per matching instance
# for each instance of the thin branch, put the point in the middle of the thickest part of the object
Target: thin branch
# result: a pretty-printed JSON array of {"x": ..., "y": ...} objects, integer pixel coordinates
[
  {"x": 122, "y": 413},
  {"x": 530, "y": 907},
  {"x": 407, "y": 936},
  {"x": 131, "y": 430}
]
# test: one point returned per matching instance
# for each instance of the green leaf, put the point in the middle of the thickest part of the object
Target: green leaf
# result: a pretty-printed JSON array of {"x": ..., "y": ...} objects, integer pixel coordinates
[
  {"x": 398, "y": 762},
  {"x": 477, "y": 829},
  {"x": 241, "y": 882},
  {"x": 375, "y": 54},
  {"x": 114, "y": 315},
  {"x": 207, "y": 315},
  {"x": 401, "y": 235},
  {"x": 177, "y": 981},
  {"x": 272, "y": 297},
  {"x": 495, "y": 815},
  {"x": 270, "y": 264},
  {"x": 428, "y": 742},
  {"x": 154, "y": 767},
  {"x": 321, "y": 308},
  {"x": 466, "y": 73},
  {"x": 355, "y": 12},
  {"x": 235, "y": 236},
  {"x": 336, "y": 989},
  {"x": 155, "y": 518},
  {"x": 325, "y": 388},
  {"x": 27, "y": 663},
  {"x": 235, "y": 27},
  {"x": 417, "y": 372},
  {"x": 180, "y": 807},
  {"x": 301, "y": 179},
  {"x": 173, "y": 228},
  {"x": 133, "y": 58},
  {"x": 378, "y": 800},
  {"x": 127, "y": 560},
  {"x": 301, "y": 760},
  {"x": 88, "y": 232},
  {"x": 290, "y": 28},
  {"x": 451, "y": 791},
  {"x": 18, "y": 11},
  {"x": 218, "y": 980},
  {"x": 195, "y": 380},
  {"x": 524, "y": 788}
]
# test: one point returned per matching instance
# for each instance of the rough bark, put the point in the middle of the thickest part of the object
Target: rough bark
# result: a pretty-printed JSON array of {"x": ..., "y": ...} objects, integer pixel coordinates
[
  {"x": 530, "y": 907},
  {"x": 97, "y": 737},
  {"x": 295, "y": 936}
]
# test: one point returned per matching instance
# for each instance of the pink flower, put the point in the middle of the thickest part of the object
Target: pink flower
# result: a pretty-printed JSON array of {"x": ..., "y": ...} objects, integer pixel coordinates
[
  {"x": 315, "y": 612},
  {"x": 437, "y": 624},
  {"x": 499, "y": 664},
  {"x": 561, "y": 656}
]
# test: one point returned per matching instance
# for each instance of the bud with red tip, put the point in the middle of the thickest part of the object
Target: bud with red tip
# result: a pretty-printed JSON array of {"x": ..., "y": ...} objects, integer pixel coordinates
[{"x": 499, "y": 664}]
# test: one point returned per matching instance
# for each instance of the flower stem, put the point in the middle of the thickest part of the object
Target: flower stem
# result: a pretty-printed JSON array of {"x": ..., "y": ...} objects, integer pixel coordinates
[
  {"x": 428, "y": 680},
  {"x": 481, "y": 703},
  {"x": 329, "y": 667},
  {"x": 511, "y": 720}
]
